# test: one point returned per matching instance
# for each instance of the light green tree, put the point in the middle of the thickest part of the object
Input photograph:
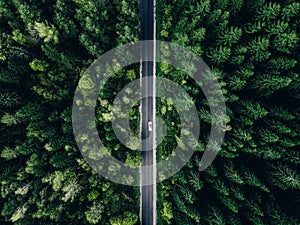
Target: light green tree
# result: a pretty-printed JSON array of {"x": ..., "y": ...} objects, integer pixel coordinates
[{"x": 47, "y": 31}]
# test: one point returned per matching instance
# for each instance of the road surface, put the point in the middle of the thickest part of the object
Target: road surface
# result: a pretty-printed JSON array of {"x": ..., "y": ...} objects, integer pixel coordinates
[{"x": 148, "y": 175}]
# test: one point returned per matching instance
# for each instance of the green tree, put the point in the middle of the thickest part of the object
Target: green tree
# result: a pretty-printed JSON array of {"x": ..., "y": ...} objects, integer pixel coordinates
[
  {"x": 127, "y": 218},
  {"x": 95, "y": 213},
  {"x": 46, "y": 31}
]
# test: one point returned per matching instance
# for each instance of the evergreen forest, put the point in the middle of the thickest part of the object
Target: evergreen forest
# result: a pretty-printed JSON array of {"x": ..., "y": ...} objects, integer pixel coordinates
[{"x": 251, "y": 46}]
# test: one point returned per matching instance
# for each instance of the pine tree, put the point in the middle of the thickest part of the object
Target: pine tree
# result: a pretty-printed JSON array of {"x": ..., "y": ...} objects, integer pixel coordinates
[
  {"x": 9, "y": 98},
  {"x": 284, "y": 177},
  {"x": 215, "y": 217}
]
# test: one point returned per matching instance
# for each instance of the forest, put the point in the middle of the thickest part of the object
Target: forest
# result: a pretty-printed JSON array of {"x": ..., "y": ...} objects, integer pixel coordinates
[{"x": 251, "y": 46}]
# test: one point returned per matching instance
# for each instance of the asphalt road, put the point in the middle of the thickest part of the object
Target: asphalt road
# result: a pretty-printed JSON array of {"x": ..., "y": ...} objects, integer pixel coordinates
[{"x": 148, "y": 193}]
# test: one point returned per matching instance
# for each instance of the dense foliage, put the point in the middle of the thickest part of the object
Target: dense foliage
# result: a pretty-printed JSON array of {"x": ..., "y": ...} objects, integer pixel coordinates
[
  {"x": 44, "y": 48},
  {"x": 252, "y": 46}
]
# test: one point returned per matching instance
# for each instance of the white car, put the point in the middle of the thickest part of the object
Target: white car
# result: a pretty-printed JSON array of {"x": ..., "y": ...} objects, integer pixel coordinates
[{"x": 150, "y": 125}]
